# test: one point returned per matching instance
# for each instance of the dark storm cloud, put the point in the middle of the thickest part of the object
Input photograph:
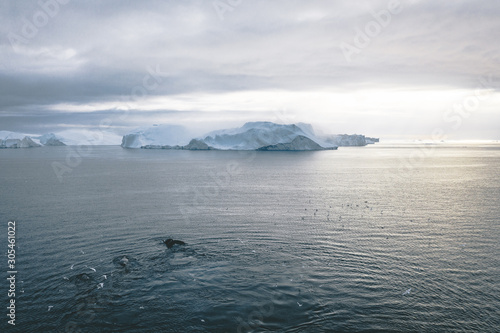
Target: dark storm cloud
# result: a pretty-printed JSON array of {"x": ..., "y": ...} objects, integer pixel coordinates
[{"x": 100, "y": 51}]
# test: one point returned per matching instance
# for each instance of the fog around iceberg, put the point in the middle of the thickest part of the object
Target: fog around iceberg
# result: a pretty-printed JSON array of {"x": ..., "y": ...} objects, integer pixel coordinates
[
  {"x": 366, "y": 67},
  {"x": 251, "y": 136}
]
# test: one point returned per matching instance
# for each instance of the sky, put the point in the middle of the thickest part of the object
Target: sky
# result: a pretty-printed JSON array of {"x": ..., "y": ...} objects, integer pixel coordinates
[{"x": 392, "y": 69}]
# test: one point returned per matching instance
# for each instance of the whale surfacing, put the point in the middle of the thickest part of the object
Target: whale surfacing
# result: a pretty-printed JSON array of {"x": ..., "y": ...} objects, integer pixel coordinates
[{"x": 171, "y": 242}]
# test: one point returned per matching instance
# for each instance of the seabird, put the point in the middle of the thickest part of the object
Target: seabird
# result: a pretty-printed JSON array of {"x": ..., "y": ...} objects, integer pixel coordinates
[{"x": 90, "y": 268}]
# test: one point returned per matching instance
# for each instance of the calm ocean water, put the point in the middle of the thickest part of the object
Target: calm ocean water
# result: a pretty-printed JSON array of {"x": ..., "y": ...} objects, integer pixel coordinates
[{"x": 380, "y": 238}]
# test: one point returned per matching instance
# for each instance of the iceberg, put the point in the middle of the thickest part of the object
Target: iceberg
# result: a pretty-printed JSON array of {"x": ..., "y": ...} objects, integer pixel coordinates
[
  {"x": 51, "y": 139},
  {"x": 197, "y": 144},
  {"x": 157, "y": 136},
  {"x": 350, "y": 140},
  {"x": 16, "y": 140},
  {"x": 266, "y": 136},
  {"x": 88, "y": 137},
  {"x": 261, "y": 135},
  {"x": 299, "y": 143},
  {"x": 251, "y": 136},
  {"x": 194, "y": 144},
  {"x": 372, "y": 141},
  {"x": 68, "y": 137}
]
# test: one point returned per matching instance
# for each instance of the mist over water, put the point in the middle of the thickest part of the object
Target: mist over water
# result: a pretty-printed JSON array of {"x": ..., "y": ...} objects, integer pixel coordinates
[{"x": 359, "y": 239}]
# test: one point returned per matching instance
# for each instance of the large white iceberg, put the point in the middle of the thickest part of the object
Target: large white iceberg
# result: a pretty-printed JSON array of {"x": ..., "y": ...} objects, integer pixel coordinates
[
  {"x": 254, "y": 135},
  {"x": 251, "y": 136}
]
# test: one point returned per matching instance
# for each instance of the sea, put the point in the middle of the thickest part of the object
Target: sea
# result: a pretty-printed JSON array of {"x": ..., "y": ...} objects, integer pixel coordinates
[{"x": 383, "y": 238}]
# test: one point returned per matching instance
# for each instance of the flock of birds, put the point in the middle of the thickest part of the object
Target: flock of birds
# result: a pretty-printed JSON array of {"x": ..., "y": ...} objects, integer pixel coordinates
[{"x": 169, "y": 243}]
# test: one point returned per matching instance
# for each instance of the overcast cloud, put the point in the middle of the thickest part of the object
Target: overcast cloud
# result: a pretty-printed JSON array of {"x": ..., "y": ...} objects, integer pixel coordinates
[{"x": 71, "y": 64}]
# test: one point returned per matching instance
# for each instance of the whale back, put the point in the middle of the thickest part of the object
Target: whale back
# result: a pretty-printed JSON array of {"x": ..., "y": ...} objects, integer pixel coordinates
[{"x": 171, "y": 242}]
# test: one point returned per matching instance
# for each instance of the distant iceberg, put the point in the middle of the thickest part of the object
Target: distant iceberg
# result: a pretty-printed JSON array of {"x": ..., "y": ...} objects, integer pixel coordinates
[
  {"x": 350, "y": 140},
  {"x": 51, "y": 140},
  {"x": 88, "y": 137},
  {"x": 157, "y": 137},
  {"x": 263, "y": 136},
  {"x": 67, "y": 137},
  {"x": 16, "y": 140},
  {"x": 19, "y": 140}
]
